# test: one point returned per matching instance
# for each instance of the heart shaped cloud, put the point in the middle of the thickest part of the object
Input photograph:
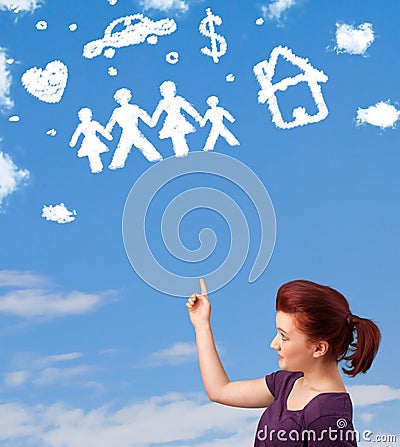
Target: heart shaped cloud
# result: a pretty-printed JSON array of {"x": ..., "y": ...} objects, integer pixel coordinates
[{"x": 46, "y": 84}]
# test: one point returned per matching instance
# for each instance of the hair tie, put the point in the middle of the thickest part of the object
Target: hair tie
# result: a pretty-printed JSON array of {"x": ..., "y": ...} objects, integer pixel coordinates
[{"x": 352, "y": 320}]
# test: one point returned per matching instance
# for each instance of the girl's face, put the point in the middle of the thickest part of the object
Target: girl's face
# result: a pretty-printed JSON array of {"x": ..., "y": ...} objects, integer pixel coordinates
[{"x": 295, "y": 353}]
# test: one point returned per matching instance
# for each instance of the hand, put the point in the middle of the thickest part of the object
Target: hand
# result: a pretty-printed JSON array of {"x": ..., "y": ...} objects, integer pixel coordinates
[{"x": 199, "y": 307}]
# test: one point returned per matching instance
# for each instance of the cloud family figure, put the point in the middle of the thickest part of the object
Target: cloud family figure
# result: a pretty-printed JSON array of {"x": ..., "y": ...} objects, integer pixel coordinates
[{"x": 175, "y": 126}]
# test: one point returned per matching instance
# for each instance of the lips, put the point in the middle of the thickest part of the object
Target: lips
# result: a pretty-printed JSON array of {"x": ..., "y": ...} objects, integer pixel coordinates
[{"x": 280, "y": 357}]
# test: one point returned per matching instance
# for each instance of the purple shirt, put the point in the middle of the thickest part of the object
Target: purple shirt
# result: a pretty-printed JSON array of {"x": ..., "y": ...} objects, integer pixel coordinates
[{"x": 326, "y": 421}]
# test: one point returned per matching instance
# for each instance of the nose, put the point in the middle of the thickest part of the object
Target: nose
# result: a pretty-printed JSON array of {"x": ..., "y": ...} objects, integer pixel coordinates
[{"x": 274, "y": 343}]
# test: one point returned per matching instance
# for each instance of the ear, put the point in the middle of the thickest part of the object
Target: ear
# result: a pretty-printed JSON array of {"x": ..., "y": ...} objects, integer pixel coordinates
[{"x": 320, "y": 348}]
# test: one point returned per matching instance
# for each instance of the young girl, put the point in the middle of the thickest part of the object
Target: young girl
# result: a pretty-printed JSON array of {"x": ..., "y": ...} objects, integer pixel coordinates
[
  {"x": 307, "y": 402},
  {"x": 91, "y": 146}
]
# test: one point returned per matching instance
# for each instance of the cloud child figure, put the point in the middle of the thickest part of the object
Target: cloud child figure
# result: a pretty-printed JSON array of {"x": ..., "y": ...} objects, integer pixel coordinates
[
  {"x": 216, "y": 115},
  {"x": 91, "y": 146}
]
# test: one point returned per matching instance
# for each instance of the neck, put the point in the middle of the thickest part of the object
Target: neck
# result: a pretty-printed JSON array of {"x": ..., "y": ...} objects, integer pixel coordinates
[{"x": 322, "y": 376}]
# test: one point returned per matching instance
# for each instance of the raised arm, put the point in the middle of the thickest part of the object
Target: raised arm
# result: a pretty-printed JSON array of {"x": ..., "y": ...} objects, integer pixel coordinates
[{"x": 244, "y": 393}]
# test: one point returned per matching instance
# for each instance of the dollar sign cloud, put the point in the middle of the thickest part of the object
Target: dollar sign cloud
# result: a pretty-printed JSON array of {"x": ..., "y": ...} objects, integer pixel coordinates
[{"x": 218, "y": 42}]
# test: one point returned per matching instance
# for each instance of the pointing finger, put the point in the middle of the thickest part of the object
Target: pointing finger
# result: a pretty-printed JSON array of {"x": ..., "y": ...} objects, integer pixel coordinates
[{"x": 203, "y": 287}]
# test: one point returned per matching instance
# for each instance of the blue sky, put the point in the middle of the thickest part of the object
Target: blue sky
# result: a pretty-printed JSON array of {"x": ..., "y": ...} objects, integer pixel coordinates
[{"x": 91, "y": 353}]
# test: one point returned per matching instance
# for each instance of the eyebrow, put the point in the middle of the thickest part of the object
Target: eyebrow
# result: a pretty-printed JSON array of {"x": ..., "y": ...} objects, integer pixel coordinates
[{"x": 279, "y": 329}]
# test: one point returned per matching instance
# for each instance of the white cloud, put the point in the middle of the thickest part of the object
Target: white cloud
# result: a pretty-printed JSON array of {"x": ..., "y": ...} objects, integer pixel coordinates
[
  {"x": 5, "y": 81},
  {"x": 20, "y": 5},
  {"x": 40, "y": 371},
  {"x": 63, "y": 357},
  {"x": 29, "y": 303},
  {"x": 58, "y": 213},
  {"x": 265, "y": 72},
  {"x": 26, "y": 300},
  {"x": 366, "y": 417},
  {"x": 15, "y": 278},
  {"x": 362, "y": 395},
  {"x": 275, "y": 9},
  {"x": 16, "y": 378},
  {"x": 352, "y": 40},
  {"x": 177, "y": 354},
  {"x": 165, "y": 5},
  {"x": 173, "y": 417},
  {"x": 50, "y": 376},
  {"x": 382, "y": 115},
  {"x": 11, "y": 177},
  {"x": 16, "y": 420}
]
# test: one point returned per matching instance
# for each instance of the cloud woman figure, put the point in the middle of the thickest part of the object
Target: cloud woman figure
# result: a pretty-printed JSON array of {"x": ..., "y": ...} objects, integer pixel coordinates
[
  {"x": 216, "y": 115},
  {"x": 175, "y": 125},
  {"x": 91, "y": 146}
]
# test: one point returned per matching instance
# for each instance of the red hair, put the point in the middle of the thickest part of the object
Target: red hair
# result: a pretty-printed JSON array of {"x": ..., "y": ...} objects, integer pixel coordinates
[{"x": 322, "y": 313}]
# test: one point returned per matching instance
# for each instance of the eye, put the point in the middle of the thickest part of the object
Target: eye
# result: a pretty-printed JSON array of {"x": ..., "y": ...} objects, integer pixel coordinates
[{"x": 283, "y": 338}]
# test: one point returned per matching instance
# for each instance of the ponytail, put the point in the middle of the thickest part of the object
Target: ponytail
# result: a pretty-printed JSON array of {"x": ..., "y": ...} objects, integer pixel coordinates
[{"x": 362, "y": 352}]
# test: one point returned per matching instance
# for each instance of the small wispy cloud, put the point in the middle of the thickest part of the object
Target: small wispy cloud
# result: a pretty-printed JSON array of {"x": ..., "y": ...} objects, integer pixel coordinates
[
  {"x": 44, "y": 370},
  {"x": 63, "y": 357},
  {"x": 16, "y": 278},
  {"x": 178, "y": 353},
  {"x": 23, "y": 299},
  {"x": 362, "y": 395},
  {"x": 382, "y": 114},
  {"x": 20, "y": 5},
  {"x": 366, "y": 417},
  {"x": 165, "y": 5},
  {"x": 354, "y": 40},
  {"x": 276, "y": 8},
  {"x": 30, "y": 303},
  {"x": 11, "y": 177},
  {"x": 51, "y": 376},
  {"x": 16, "y": 378},
  {"x": 5, "y": 81}
]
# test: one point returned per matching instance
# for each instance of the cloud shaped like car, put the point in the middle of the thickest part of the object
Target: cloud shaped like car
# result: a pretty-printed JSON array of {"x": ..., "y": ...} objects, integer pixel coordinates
[{"x": 127, "y": 31}]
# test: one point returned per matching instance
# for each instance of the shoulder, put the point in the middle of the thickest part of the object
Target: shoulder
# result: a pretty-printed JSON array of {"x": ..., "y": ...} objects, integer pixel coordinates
[
  {"x": 281, "y": 380},
  {"x": 328, "y": 409}
]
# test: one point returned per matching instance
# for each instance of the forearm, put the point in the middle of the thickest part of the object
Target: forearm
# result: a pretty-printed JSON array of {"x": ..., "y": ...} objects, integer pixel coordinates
[{"x": 212, "y": 372}]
